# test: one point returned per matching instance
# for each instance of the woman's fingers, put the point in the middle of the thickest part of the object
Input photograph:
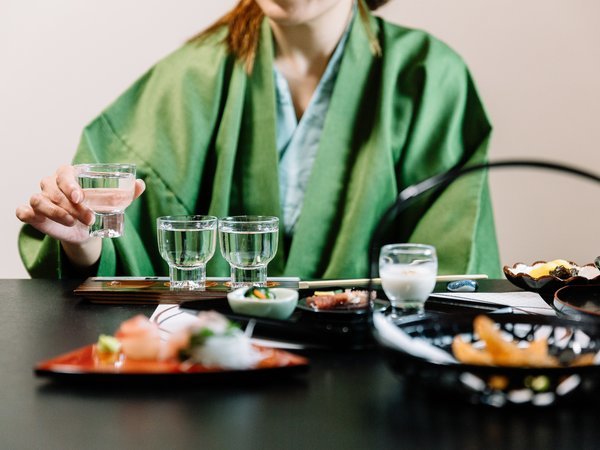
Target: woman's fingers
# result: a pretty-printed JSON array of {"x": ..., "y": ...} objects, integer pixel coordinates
[
  {"x": 77, "y": 234},
  {"x": 64, "y": 197},
  {"x": 26, "y": 214},
  {"x": 140, "y": 187},
  {"x": 68, "y": 185},
  {"x": 60, "y": 210},
  {"x": 45, "y": 206}
]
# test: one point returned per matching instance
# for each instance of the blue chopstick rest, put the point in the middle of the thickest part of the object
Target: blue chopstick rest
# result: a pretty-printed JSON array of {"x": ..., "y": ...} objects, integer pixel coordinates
[{"x": 462, "y": 286}]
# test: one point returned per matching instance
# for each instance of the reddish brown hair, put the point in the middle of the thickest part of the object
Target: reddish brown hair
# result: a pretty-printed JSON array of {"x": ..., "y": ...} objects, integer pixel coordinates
[{"x": 243, "y": 24}]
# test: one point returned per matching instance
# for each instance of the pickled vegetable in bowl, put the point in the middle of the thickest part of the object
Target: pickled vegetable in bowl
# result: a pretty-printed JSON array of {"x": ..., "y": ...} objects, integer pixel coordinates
[
  {"x": 259, "y": 293},
  {"x": 274, "y": 303}
]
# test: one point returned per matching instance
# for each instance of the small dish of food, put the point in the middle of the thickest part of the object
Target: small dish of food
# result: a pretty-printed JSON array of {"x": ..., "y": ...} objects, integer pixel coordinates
[
  {"x": 546, "y": 277},
  {"x": 347, "y": 299},
  {"x": 579, "y": 301},
  {"x": 273, "y": 303},
  {"x": 340, "y": 302}
]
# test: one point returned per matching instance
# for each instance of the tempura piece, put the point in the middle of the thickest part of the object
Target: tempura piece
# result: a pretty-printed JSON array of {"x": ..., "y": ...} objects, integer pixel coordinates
[{"x": 494, "y": 349}]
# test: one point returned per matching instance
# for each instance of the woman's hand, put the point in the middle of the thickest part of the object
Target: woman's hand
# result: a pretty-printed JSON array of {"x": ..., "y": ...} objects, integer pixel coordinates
[{"x": 59, "y": 212}]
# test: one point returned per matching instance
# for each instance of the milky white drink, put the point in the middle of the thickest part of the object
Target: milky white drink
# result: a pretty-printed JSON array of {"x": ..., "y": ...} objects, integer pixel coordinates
[{"x": 408, "y": 285}]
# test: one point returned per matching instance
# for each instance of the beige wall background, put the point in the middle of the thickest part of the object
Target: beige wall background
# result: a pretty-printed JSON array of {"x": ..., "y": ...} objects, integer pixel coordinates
[{"x": 536, "y": 63}]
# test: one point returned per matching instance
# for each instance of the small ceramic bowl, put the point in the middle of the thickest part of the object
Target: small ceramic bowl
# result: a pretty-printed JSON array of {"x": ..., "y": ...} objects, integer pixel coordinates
[
  {"x": 579, "y": 301},
  {"x": 281, "y": 307},
  {"x": 547, "y": 285}
]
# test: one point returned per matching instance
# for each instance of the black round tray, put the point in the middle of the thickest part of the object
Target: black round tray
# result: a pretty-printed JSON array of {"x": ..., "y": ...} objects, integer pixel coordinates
[{"x": 494, "y": 385}]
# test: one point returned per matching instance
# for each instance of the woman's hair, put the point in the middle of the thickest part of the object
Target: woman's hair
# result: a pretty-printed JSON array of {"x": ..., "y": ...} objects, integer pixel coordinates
[{"x": 243, "y": 25}]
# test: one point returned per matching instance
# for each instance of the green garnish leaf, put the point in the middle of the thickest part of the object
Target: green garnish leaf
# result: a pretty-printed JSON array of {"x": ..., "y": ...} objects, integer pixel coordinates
[
  {"x": 200, "y": 337},
  {"x": 108, "y": 344}
]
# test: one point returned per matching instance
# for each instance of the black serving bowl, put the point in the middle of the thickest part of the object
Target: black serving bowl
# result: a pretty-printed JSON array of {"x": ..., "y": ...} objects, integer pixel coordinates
[{"x": 493, "y": 385}]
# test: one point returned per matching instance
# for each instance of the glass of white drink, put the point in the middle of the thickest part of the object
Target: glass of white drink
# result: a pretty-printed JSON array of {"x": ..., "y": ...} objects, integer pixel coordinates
[
  {"x": 408, "y": 273},
  {"x": 187, "y": 243},
  {"x": 248, "y": 243},
  {"x": 108, "y": 189}
]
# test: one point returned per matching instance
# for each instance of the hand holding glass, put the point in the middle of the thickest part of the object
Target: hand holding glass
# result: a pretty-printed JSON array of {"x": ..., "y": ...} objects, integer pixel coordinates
[
  {"x": 187, "y": 243},
  {"x": 108, "y": 189},
  {"x": 248, "y": 243},
  {"x": 408, "y": 273}
]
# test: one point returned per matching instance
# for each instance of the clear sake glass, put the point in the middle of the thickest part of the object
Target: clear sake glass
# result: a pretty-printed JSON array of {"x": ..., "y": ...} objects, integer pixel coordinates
[
  {"x": 187, "y": 243},
  {"x": 108, "y": 189},
  {"x": 248, "y": 244}
]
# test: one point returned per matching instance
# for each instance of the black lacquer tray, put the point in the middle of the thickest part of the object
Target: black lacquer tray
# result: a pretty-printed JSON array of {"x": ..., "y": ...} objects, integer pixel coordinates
[{"x": 494, "y": 385}]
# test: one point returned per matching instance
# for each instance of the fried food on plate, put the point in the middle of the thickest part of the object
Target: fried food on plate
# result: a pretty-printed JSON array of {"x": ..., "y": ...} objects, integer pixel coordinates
[{"x": 495, "y": 349}]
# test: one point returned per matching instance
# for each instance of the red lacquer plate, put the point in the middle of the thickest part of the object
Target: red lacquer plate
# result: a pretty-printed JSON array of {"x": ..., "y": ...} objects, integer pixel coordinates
[{"x": 85, "y": 364}]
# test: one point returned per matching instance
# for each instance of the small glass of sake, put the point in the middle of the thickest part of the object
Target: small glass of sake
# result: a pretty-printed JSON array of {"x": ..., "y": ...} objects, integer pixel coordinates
[
  {"x": 187, "y": 243},
  {"x": 108, "y": 189},
  {"x": 248, "y": 243},
  {"x": 408, "y": 274}
]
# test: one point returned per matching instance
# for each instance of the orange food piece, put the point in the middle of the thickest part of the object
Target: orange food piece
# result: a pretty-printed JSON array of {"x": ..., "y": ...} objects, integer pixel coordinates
[{"x": 499, "y": 351}]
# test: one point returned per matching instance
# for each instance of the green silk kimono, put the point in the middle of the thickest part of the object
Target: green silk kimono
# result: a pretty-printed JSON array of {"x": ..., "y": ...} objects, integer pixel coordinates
[{"x": 202, "y": 133}]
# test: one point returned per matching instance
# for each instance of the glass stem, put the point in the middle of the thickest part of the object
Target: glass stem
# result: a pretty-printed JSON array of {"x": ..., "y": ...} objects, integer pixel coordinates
[
  {"x": 248, "y": 277},
  {"x": 189, "y": 278}
]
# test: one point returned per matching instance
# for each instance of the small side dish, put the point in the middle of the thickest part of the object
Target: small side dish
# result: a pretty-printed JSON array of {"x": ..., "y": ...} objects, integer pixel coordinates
[
  {"x": 547, "y": 277},
  {"x": 558, "y": 268},
  {"x": 331, "y": 300},
  {"x": 582, "y": 301},
  {"x": 273, "y": 303}
]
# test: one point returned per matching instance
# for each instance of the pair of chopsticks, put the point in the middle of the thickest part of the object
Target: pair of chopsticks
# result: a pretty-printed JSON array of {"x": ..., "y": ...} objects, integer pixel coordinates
[
  {"x": 465, "y": 303},
  {"x": 377, "y": 281}
]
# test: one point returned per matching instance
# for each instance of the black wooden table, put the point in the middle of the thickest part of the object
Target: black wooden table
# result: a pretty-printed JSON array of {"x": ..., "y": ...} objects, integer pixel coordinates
[{"x": 349, "y": 399}]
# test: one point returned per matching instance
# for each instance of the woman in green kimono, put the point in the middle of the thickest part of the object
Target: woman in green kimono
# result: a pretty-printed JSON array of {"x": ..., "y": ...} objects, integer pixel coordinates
[{"x": 313, "y": 111}]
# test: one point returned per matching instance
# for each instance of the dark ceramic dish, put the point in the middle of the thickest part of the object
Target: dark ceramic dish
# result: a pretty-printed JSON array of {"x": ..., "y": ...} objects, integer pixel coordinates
[
  {"x": 580, "y": 301},
  {"x": 547, "y": 285}
]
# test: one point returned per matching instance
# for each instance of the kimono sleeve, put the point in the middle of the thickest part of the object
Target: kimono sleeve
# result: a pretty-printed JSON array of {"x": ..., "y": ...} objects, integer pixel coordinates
[{"x": 451, "y": 129}]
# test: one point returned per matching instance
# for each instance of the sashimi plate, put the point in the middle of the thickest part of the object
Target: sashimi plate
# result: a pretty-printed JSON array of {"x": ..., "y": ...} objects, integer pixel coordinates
[{"x": 86, "y": 364}]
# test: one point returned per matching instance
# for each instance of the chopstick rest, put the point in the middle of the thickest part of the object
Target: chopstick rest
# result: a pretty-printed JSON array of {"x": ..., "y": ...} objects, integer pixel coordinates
[{"x": 462, "y": 286}]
